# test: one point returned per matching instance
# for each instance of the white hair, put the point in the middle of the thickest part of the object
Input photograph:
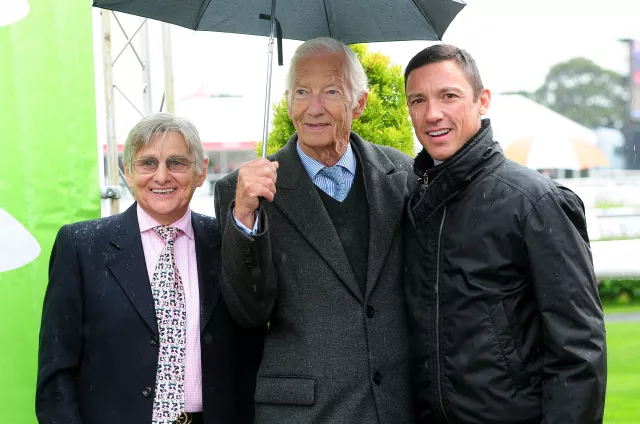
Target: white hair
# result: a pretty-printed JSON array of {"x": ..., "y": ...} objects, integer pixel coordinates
[
  {"x": 160, "y": 124},
  {"x": 358, "y": 82}
]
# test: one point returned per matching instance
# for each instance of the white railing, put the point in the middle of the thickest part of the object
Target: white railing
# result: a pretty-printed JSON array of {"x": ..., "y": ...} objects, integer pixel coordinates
[{"x": 616, "y": 259}]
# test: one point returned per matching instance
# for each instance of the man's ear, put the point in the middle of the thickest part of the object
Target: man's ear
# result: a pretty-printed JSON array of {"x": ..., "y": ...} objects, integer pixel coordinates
[
  {"x": 202, "y": 175},
  {"x": 286, "y": 96},
  {"x": 128, "y": 177},
  {"x": 359, "y": 109},
  {"x": 485, "y": 101}
]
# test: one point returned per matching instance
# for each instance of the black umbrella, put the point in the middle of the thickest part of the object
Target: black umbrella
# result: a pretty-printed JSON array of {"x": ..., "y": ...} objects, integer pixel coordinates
[{"x": 350, "y": 21}]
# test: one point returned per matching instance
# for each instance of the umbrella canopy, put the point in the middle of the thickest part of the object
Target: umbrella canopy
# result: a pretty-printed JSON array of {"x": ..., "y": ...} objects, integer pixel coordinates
[
  {"x": 353, "y": 21},
  {"x": 550, "y": 152}
]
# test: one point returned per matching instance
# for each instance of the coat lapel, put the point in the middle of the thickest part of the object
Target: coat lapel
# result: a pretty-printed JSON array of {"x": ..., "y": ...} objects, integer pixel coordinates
[
  {"x": 386, "y": 192},
  {"x": 129, "y": 266},
  {"x": 207, "y": 239},
  {"x": 298, "y": 199}
]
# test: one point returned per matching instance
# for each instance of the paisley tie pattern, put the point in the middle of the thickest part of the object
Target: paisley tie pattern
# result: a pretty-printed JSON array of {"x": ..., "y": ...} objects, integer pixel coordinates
[{"x": 171, "y": 315}]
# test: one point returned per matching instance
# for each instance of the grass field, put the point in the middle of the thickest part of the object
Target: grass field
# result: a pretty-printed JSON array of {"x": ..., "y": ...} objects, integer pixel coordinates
[{"x": 623, "y": 386}]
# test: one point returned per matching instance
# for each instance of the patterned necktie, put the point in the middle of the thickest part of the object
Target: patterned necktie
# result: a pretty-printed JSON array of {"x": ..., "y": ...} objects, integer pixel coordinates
[
  {"x": 334, "y": 173},
  {"x": 171, "y": 314}
]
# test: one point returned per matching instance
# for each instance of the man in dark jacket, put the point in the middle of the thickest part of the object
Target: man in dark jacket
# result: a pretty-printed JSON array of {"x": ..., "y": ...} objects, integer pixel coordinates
[{"x": 507, "y": 325}]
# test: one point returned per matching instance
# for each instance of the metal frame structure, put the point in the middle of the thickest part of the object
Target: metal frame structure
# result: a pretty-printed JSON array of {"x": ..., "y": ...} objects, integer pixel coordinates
[{"x": 112, "y": 189}]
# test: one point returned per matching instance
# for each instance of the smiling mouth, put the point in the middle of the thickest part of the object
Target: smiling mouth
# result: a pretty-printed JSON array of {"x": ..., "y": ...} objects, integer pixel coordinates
[
  {"x": 163, "y": 191},
  {"x": 438, "y": 133},
  {"x": 317, "y": 126}
]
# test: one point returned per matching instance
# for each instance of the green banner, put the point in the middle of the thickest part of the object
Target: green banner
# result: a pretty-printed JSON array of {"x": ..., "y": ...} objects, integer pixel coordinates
[{"x": 48, "y": 172}]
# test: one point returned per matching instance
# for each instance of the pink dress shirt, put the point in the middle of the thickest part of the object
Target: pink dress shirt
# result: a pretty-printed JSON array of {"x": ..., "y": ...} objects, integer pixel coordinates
[{"x": 185, "y": 254}]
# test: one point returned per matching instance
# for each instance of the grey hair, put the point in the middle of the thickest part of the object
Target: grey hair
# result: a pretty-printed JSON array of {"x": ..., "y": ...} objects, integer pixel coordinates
[
  {"x": 160, "y": 124},
  {"x": 358, "y": 82}
]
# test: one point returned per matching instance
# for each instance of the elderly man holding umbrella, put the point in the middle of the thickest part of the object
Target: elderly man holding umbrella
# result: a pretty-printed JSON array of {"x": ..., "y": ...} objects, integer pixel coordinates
[{"x": 321, "y": 259}]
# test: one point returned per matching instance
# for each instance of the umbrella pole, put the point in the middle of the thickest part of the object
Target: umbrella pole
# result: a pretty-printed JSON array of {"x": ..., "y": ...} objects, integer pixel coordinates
[{"x": 267, "y": 97}]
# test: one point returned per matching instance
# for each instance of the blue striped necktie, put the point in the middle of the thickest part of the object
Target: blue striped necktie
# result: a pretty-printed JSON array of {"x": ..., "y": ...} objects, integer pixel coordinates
[{"x": 334, "y": 173}]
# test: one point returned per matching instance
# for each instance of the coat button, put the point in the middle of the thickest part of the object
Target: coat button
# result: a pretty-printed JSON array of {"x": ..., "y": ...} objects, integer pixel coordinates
[
  {"x": 377, "y": 378},
  {"x": 370, "y": 311},
  {"x": 153, "y": 341},
  {"x": 146, "y": 392}
]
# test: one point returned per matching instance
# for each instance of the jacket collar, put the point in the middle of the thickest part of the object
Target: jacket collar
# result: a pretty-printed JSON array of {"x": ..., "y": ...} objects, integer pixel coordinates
[
  {"x": 470, "y": 164},
  {"x": 385, "y": 186},
  {"x": 207, "y": 241},
  {"x": 128, "y": 265}
]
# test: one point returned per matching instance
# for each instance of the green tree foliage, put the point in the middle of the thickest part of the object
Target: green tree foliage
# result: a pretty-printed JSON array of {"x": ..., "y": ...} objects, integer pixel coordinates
[
  {"x": 385, "y": 119},
  {"x": 619, "y": 291},
  {"x": 586, "y": 93}
]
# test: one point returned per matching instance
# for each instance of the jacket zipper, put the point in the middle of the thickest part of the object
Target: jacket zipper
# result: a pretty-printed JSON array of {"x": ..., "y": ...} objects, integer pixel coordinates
[{"x": 444, "y": 413}]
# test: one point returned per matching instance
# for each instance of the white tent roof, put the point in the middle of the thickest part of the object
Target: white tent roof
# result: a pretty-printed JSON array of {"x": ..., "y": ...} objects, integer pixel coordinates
[
  {"x": 514, "y": 117},
  {"x": 224, "y": 119},
  {"x": 226, "y": 122}
]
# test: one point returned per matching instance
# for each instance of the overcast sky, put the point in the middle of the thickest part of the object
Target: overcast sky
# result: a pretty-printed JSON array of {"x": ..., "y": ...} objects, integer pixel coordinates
[{"x": 514, "y": 42}]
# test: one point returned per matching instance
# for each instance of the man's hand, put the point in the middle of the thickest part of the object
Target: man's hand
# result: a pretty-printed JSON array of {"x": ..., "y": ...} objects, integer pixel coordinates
[{"x": 256, "y": 178}]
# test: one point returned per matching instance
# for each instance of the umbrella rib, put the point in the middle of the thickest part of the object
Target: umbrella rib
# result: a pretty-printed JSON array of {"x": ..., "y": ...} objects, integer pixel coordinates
[
  {"x": 204, "y": 9},
  {"x": 326, "y": 14},
  {"x": 424, "y": 15}
]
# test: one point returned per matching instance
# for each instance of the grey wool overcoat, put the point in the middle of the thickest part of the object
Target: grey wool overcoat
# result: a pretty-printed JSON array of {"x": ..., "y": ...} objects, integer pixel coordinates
[{"x": 331, "y": 354}]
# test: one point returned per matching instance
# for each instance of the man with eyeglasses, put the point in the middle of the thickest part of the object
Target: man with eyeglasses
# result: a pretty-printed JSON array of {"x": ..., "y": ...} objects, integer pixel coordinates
[{"x": 134, "y": 329}]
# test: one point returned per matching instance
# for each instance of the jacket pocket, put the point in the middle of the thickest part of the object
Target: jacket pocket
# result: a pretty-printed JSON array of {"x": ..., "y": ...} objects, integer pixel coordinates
[
  {"x": 285, "y": 390},
  {"x": 507, "y": 345}
]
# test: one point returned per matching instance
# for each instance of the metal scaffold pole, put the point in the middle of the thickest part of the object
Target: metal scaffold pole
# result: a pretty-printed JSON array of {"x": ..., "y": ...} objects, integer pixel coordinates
[
  {"x": 146, "y": 70},
  {"x": 112, "y": 189},
  {"x": 168, "y": 68}
]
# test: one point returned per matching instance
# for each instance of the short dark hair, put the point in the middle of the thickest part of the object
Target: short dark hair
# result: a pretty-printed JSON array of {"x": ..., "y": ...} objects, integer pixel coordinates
[{"x": 443, "y": 52}]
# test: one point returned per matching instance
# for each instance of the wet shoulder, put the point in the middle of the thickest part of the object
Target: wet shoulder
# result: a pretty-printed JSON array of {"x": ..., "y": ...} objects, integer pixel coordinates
[
  {"x": 208, "y": 223},
  {"x": 231, "y": 177},
  {"x": 528, "y": 182},
  {"x": 95, "y": 228},
  {"x": 400, "y": 159}
]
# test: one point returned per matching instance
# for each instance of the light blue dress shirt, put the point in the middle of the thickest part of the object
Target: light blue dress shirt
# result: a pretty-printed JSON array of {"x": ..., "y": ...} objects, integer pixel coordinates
[{"x": 347, "y": 164}]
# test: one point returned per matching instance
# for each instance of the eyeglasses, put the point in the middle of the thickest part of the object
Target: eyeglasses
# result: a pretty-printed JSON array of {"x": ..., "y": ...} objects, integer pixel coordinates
[{"x": 178, "y": 165}]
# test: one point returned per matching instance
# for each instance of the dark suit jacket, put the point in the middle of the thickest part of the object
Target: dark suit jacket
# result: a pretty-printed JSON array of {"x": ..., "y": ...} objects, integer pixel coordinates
[
  {"x": 332, "y": 354},
  {"x": 99, "y": 338}
]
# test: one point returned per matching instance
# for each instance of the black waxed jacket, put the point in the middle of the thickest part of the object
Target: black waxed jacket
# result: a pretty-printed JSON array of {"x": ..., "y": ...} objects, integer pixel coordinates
[{"x": 507, "y": 325}]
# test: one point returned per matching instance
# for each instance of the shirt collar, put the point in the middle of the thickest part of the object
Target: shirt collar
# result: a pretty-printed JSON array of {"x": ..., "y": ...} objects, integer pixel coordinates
[
  {"x": 147, "y": 222},
  {"x": 312, "y": 166}
]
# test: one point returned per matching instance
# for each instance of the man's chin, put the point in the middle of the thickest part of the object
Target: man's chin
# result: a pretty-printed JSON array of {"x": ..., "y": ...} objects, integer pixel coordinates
[
  {"x": 439, "y": 154},
  {"x": 314, "y": 141}
]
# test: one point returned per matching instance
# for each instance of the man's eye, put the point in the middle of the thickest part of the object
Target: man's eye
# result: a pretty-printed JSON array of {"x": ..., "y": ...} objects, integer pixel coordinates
[
  {"x": 149, "y": 162},
  {"x": 450, "y": 96},
  {"x": 176, "y": 162},
  {"x": 300, "y": 92},
  {"x": 416, "y": 101},
  {"x": 332, "y": 91}
]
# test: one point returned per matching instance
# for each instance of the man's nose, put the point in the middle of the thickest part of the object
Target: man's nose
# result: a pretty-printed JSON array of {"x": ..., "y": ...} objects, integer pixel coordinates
[
  {"x": 316, "y": 105},
  {"x": 433, "y": 112},
  {"x": 162, "y": 173}
]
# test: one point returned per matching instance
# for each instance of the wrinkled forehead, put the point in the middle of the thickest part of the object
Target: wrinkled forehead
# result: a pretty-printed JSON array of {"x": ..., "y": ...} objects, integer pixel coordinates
[{"x": 324, "y": 68}]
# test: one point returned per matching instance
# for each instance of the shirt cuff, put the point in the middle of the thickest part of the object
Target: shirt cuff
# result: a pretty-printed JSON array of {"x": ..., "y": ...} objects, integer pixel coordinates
[{"x": 244, "y": 228}]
